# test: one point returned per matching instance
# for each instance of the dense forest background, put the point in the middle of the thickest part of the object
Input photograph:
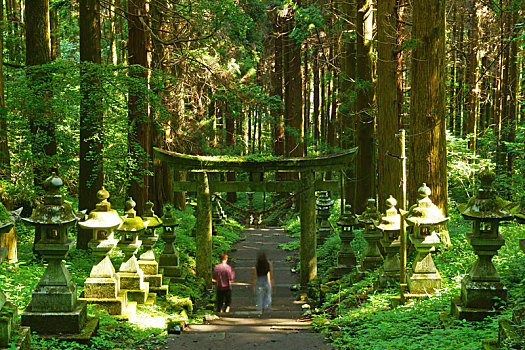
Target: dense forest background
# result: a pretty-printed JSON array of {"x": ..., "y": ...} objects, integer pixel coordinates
[{"x": 89, "y": 87}]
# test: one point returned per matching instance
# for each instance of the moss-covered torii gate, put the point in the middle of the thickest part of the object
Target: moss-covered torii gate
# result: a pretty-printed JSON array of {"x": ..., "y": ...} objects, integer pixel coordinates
[{"x": 306, "y": 166}]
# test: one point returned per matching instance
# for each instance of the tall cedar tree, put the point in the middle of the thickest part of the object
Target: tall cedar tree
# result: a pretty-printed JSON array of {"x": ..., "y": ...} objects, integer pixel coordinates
[
  {"x": 366, "y": 158},
  {"x": 5, "y": 164},
  {"x": 389, "y": 168},
  {"x": 293, "y": 90},
  {"x": 428, "y": 152},
  {"x": 42, "y": 123},
  {"x": 91, "y": 112},
  {"x": 138, "y": 118},
  {"x": 161, "y": 184},
  {"x": 347, "y": 104}
]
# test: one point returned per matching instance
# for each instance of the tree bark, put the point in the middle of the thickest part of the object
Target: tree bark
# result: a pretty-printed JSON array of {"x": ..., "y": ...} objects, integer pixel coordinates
[
  {"x": 91, "y": 113},
  {"x": 366, "y": 158},
  {"x": 138, "y": 118},
  {"x": 347, "y": 108},
  {"x": 293, "y": 95},
  {"x": 428, "y": 152},
  {"x": 203, "y": 229},
  {"x": 5, "y": 160},
  {"x": 307, "y": 253},
  {"x": 389, "y": 168},
  {"x": 230, "y": 142},
  {"x": 42, "y": 123},
  {"x": 472, "y": 79}
]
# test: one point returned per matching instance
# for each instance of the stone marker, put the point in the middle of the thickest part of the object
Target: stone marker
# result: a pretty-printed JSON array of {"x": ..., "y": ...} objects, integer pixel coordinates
[
  {"x": 482, "y": 289},
  {"x": 423, "y": 218},
  {"x": 54, "y": 308}
]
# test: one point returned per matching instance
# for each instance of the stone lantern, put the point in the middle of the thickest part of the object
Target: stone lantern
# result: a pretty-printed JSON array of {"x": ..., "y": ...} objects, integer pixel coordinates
[
  {"x": 54, "y": 307},
  {"x": 102, "y": 285},
  {"x": 216, "y": 218},
  {"x": 371, "y": 258},
  {"x": 346, "y": 260},
  {"x": 9, "y": 330},
  {"x": 130, "y": 274},
  {"x": 424, "y": 217},
  {"x": 323, "y": 203},
  {"x": 482, "y": 287},
  {"x": 147, "y": 261},
  {"x": 390, "y": 225},
  {"x": 169, "y": 259}
]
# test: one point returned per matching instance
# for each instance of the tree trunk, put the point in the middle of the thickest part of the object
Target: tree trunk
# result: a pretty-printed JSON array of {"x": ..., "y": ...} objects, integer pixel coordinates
[
  {"x": 293, "y": 88},
  {"x": 55, "y": 37},
  {"x": 138, "y": 118},
  {"x": 347, "y": 108},
  {"x": 5, "y": 161},
  {"x": 428, "y": 152},
  {"x": 230, "y": 143},
  {"x": 42, "y": 123},
  {"x": 389, "y": 168},
  {"x": 460, "y": 69},
  {"x": 453, "y": 57},
  {"x": 316, "y": 98},
  {"x": 472, "y": 79},
  {"x": 366, "y": 158},
  {"x": 277, "y": 86},
  {"x": 203, "y": 229},
  {"x": 91, "y": 113},
  {"x": 510, "y": 94}
]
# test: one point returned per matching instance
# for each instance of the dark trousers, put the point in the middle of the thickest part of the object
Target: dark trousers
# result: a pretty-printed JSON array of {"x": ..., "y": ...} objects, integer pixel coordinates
[{"x": 224, "y": 296}]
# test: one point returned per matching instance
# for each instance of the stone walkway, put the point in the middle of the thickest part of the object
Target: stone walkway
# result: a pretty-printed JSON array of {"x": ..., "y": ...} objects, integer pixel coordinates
[{"x": 243, "y": 327}]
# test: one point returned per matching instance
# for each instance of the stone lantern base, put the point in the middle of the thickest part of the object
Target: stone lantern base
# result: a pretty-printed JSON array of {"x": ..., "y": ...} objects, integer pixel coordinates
[
  {"x": 424, "y": 278},
  {"x": 389, "y": 272},
  {"x": 75, "y": 322},
  {"x": 477, "y": 300},
  {"x": 371, "y": 258},
  {"x": 153, "y": 277},
  {"x": 10, "y": 329}
]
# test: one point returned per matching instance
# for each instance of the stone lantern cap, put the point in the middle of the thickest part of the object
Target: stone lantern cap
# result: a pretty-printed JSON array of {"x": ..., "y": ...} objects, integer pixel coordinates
[
  {"x": 425, "y": 212},
  {"x": 486, "y": 205},
  {"x": 392, "y": 220},
  {"x": 347, "y": 219},
  {"x": 324, "y": 201},
  {"x": 102, "y": 217},
  {"x": 168, "y": 219},
  {"x": 150, "y": 216},
  {"x": 54, "y": 210},
  {"x": 8, "y": 218},
  {"x": 133, "y": 223},
  {"x": 371, "y": 215}
]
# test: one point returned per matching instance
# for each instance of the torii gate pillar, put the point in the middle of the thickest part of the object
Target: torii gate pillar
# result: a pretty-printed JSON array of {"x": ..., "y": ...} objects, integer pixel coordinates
[
  {"x": 307, "y": 253},
  {"x": 203, "y": 229}
]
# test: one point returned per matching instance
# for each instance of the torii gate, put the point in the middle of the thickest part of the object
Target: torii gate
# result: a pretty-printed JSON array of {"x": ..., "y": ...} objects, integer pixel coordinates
[{"x": 308, "y": 184}]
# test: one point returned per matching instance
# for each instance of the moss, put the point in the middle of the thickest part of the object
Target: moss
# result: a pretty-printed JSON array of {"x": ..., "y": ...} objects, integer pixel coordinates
[{"x": 4, "y": 214}]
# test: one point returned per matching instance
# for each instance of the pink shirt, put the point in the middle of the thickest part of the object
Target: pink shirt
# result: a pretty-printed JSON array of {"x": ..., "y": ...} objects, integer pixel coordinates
[{"x": 223, "y": 274}]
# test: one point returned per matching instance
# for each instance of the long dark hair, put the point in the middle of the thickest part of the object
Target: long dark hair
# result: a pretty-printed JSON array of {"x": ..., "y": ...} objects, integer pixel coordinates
[{"x": 262, "y": 263}]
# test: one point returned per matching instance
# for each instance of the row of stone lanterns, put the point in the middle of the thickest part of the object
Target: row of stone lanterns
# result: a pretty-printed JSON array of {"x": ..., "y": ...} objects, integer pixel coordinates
[
  {"x": 55, "y": 308},
  {"x": 423, "y": 217}
]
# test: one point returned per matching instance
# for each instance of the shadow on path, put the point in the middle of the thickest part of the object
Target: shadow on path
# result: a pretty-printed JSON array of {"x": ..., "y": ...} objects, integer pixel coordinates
[{"x": 243, "y": 327}]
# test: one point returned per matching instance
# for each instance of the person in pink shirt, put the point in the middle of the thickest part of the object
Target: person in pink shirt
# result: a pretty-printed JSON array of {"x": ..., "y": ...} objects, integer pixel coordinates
[{"x": 223, "y": 276}]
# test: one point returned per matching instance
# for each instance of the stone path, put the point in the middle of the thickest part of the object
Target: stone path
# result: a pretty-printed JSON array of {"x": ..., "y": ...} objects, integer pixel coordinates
[{"x": 242, "y": 328}]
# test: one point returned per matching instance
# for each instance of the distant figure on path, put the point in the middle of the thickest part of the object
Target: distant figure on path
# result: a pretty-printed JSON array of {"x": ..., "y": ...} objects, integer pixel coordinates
[
  {"x": 262, "y": 283},
  {"x": 223, "y": 276}
]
